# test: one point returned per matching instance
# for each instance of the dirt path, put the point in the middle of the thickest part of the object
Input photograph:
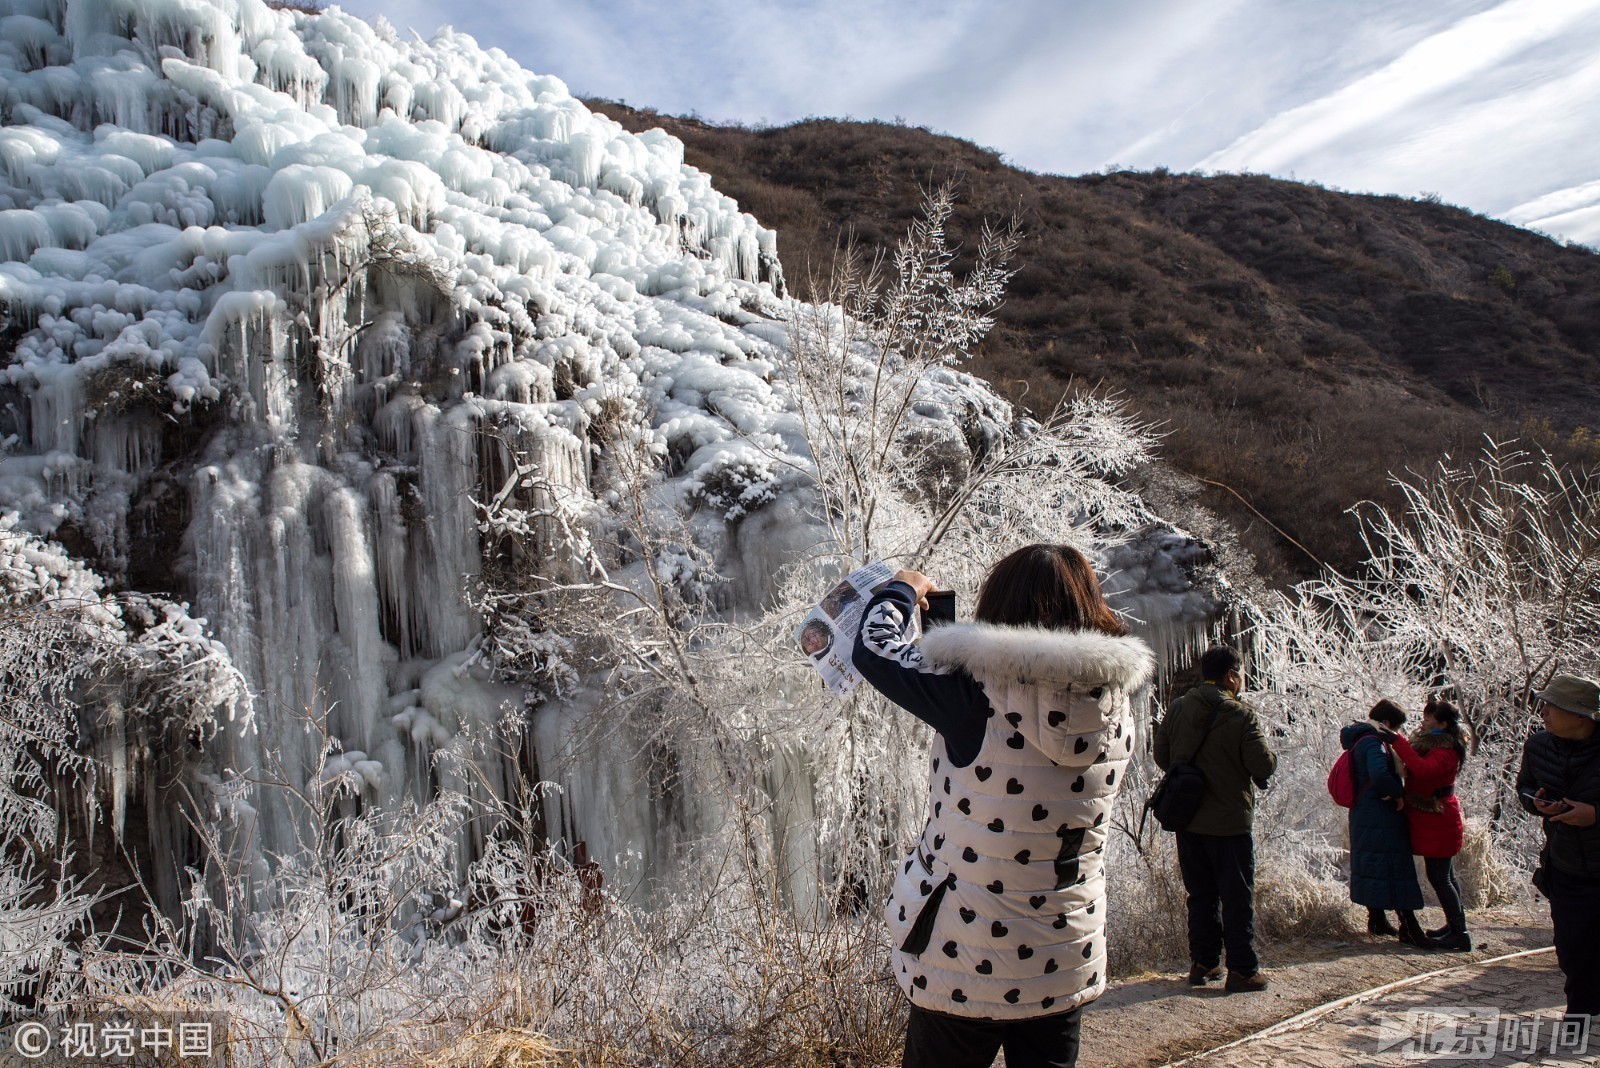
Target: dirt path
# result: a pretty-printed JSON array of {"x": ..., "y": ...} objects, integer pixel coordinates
[{"x": 1153, "y": 1020}]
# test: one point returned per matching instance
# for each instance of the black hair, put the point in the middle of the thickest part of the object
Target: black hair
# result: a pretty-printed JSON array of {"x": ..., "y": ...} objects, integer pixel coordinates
[
  {"x": 1449, "y": 715},
  {"x": 1051, "y": 586},
  {"x": 1218, "y": 661},
  {"x": 1388, "y": 713}
]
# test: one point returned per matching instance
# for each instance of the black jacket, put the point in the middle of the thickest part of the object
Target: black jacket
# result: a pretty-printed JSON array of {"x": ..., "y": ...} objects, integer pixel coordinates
[{"x": 1570, "y": 769}]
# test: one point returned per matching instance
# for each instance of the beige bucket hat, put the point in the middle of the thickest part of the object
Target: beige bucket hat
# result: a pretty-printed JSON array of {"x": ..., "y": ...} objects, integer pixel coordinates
[{"x": 1573, "y": 693}]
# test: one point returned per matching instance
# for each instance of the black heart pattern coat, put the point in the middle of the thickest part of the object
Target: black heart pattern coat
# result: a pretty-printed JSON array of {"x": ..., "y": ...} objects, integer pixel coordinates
[{"x": 999, "y": 911}]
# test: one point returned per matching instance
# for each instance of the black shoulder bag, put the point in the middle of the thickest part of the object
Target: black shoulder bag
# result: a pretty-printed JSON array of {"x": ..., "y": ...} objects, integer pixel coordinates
[{"x": 1178, "y": 794}]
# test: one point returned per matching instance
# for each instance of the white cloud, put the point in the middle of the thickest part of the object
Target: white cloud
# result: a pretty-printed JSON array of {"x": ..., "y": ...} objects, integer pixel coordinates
[
  {"x": 1467, "y": 107},
  {"x": 1484, "y": 101}
]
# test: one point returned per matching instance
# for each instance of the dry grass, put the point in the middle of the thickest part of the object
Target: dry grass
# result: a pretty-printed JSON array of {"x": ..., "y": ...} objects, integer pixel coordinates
[
  {"x": 515, "y": 1048},
  {"x": 1293, "y": 905},
  {"x": 1487, "y": 881}
]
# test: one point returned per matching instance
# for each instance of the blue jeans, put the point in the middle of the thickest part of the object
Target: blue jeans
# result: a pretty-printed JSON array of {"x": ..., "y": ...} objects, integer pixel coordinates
[{"x": 1219, "y": 872}]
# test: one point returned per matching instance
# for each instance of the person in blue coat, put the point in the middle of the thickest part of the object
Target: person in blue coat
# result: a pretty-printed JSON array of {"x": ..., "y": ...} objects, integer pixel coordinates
[{"x": 1382, "y": 875}]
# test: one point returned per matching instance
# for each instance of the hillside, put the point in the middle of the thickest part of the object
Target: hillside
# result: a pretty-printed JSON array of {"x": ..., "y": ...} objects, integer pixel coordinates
[{"x": 1296, "y": 343}]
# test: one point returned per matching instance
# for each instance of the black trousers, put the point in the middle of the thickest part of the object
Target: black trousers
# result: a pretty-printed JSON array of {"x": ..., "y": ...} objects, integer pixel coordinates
[
  {"x": 1575, "y": 915},
  {"x": 1219, "y": 872},
  {"x": 935, "y": 1040},
  {"x": 1442, "y": 877}
]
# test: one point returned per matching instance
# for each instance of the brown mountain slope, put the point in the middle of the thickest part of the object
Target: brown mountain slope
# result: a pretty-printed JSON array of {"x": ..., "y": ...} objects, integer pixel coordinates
[{"x": 1296, "y": 343}]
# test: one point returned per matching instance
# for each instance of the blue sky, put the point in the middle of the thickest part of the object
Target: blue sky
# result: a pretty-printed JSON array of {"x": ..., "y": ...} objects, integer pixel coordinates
[{"x": 1492, "y": 104}]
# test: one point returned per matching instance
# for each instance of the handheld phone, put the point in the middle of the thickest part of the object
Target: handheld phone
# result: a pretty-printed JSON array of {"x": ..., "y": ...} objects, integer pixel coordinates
[
  {"x": 941, "y": 609},
  {"x": 1550, "y": 797}
]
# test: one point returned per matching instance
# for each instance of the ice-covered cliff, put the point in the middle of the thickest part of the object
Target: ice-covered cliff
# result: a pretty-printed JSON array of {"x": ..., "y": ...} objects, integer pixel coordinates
[{"x": 287, "y": 298}]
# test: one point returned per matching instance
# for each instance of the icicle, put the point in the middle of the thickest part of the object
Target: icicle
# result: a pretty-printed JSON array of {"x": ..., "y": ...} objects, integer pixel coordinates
[
  {"x": 127, "y": 444},
  {"x": 33, "y": 38},
  {"x": 243, "y": 332},
  {"x": 588, "y": 151},
  {"x": 282, "y": 65},
  {"x": 21, "y": 232},
  {"x": 792, "y": 787},
  {"x": 396, "y": 424},
  {"x": 224, "y": 545},
  {"x": 123, "y": 97},
  {"x": 448, "y": 483},
  {"x": 355, "y": 600},
  {"x": 458, "y": 698},
  {"x": 391, "y": 557},
  {"x": 439, "y": 101},
  {"x": 600, "y": 800},
  {"x": 24, "y": 148},
  {"x": 57, "y": 413},
  {"x": 353, "y": 88},
  {"x": 115, "y": 751}
]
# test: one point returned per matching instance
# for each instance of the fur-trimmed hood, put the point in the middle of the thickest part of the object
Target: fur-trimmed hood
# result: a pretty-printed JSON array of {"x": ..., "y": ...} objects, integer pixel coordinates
[{"x": 1035, "y": 656}]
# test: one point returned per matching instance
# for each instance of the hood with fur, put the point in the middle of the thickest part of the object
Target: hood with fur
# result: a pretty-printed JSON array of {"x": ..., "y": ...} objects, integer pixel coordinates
[
  {"x": 1060, "y": 690},
  {"x": 1037, "y": 657}
]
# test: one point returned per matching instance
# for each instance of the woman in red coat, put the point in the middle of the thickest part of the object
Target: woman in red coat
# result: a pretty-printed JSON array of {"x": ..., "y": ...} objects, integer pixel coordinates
[{"x": 1433, "y": 757}]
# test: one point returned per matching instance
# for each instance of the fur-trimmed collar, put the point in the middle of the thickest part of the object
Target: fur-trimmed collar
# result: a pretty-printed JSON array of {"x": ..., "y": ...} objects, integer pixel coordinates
[
  {"x": 1426, "y": 741},
  {"x": 1036, "y": 655}
]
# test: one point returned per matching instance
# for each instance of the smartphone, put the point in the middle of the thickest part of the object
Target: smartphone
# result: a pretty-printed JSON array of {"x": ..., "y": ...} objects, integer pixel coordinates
[
  {"x": 1549, "y": 798},
  {"x": 941, "y": 609}
]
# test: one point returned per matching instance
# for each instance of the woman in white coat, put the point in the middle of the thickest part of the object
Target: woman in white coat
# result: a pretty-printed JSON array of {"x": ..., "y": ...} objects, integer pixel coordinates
[{"x": 998, "y": 913}]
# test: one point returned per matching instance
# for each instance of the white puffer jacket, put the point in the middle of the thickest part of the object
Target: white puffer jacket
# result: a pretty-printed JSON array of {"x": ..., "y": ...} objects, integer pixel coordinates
[{"x": 1008, "y": 880}]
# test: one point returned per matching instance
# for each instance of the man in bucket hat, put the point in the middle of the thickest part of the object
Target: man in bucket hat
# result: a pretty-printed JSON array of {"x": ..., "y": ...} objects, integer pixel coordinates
[{"x": 1560, "y": 781}]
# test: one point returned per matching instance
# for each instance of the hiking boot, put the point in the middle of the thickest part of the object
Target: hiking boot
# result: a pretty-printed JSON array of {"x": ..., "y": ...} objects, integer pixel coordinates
[
  {"x": 1200, "y": 975},
  {"x": 1239, "y": 983},
  {"x": 1378, "y": 923}
]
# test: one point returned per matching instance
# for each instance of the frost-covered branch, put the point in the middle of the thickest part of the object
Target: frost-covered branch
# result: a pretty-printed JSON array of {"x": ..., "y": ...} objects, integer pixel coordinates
[{"x": 1484, "y": 583}]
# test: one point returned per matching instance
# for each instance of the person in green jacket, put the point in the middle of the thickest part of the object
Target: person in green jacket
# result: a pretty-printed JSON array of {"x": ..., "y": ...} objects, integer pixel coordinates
[{"x": 1211, "y": 728}]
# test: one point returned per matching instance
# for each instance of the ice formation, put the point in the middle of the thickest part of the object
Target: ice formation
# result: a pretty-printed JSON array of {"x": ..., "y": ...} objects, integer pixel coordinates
[{"x": 278, "y": 288}]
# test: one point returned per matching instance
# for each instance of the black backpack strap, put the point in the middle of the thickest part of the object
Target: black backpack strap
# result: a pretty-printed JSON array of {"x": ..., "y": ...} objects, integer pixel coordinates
[
  {"x": 1150, "y": 801},
  {"x": 1211, "y": 721}
]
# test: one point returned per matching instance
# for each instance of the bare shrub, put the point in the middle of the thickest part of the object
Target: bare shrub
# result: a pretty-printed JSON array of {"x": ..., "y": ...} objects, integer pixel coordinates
[
  {"x": 79, "y": 667},
  {"x": 1147, "y": 910},
  {"x": 368, "y": 949}
]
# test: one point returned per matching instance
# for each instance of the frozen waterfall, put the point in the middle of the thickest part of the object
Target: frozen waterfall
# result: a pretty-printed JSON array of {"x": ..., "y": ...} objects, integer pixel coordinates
[{"x": 287, "y": 300}]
